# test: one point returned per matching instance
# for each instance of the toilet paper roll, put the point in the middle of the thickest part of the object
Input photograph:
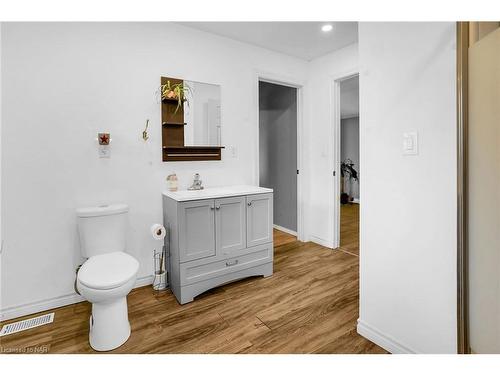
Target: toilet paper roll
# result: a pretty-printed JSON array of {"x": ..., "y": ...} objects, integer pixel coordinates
[{"x": 158, "y": 231}]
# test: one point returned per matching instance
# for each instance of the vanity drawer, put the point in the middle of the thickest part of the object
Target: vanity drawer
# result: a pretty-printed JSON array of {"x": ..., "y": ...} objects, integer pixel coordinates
[{"x": 204, "y": 269}]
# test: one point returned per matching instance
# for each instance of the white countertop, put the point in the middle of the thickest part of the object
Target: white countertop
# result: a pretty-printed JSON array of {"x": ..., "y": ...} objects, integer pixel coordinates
[{"x": 215, "y": 192}]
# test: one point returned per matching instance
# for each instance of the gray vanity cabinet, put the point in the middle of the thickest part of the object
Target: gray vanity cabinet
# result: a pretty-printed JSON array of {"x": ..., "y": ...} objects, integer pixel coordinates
[
  {"x": 230, "y": 225},
  {"x": 196, "y": 230},
  {"x": 214, "y": 241},
  {"x": 259, "y": 219}
]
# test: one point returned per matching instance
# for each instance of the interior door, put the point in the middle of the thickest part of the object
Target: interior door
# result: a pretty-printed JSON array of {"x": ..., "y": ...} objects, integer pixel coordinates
[
  {"x": 259, "y": 219},
  {"x": 230, "y": 225},
  {"x": 484, "y": 194},
  {"x": 196, "y": 229}
]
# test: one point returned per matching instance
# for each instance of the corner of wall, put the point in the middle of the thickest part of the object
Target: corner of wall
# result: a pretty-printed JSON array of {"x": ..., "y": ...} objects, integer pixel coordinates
[{"x": 387, "y": 342}]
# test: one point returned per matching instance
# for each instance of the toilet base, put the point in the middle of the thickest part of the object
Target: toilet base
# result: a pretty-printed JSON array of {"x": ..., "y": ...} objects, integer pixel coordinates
[{"x": 109, "y": 325}]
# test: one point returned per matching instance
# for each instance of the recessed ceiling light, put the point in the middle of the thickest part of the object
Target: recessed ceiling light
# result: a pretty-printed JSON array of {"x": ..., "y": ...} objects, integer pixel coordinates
[{"x": 326, "y": 28}]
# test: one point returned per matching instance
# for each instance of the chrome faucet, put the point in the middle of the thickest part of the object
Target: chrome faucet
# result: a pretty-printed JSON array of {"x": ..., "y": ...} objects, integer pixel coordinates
[{"x": 196, "y": 183}]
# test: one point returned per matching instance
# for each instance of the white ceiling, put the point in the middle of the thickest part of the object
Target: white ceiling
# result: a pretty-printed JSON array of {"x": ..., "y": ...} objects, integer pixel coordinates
[{"x": 300, "y": 39}]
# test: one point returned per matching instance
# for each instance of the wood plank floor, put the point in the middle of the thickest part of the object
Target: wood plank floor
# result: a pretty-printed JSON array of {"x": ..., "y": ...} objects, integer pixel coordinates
[
  {"x": 349, "y": 228},
  {"x": 282, "y": 238},
  {"x": 309, "y": 305}
]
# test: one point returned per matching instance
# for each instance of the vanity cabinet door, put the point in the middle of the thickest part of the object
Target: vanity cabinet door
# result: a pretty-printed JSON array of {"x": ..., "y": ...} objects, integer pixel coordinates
[
  {"x": 196, "y": 229},
  {"x": 230, "y": 225},
  {"x": 259, "y": 219}
]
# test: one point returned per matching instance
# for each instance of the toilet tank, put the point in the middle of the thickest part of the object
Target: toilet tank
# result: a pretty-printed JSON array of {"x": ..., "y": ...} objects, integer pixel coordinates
[{"x": 102, "y": 229}]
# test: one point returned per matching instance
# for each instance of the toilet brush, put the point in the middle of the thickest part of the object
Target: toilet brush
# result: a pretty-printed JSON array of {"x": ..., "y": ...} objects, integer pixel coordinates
[{"x": 160, "y": 282}]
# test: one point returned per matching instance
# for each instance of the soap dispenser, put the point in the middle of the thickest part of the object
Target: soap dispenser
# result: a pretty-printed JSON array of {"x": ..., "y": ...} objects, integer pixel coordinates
[{"x": 172, "y": 182}]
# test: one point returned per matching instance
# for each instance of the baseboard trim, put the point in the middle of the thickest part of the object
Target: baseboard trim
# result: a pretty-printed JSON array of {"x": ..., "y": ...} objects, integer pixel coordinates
[
  {"x": 53, "y": 303},
  {"x": 385, "y": 341},
  {"x": 39, "y": 306},
  {"x": 286, "y": 230},
  {"x": 143, "y": 281},
  {"x": 320, "y": 241}
]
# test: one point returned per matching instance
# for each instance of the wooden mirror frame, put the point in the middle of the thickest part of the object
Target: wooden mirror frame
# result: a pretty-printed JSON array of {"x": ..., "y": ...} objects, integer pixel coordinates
[{"x": 173, "y": 147}]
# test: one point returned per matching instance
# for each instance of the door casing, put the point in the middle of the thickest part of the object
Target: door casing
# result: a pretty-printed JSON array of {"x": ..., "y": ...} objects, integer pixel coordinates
[
  {"x": 463, "y": 345},
  {"x": 335, "y": 145}
]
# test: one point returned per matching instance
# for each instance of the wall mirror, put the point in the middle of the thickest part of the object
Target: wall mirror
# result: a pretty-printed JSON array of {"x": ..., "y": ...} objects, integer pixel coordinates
[
  {"x": 191, "y": 120},
  {"x": 202, "y": 115}
]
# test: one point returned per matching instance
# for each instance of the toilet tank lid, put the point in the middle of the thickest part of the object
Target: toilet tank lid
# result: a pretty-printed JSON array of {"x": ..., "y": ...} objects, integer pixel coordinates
[{"x": 106, "y": 209}]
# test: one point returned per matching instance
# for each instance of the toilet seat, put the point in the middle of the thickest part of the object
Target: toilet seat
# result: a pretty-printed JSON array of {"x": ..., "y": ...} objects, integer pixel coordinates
[{"x": 108, "y": 271}]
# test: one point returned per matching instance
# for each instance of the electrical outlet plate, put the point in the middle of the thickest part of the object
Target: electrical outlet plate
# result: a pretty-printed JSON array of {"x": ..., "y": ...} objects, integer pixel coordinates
[
  {"x": 104, "y": 151},
  {"x": 104, "y": 141},
  {"x": 234, "y": 151},
  {"x": 410, "y": 143}
]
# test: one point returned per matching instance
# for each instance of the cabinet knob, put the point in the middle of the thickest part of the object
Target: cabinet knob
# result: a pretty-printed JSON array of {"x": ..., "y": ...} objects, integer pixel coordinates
[
  {"x": 249, "y": 203},
  {"x": 229, "y": 264},
  {"x": 212, "y": 207},
  {"x": 217, "y": 207}
]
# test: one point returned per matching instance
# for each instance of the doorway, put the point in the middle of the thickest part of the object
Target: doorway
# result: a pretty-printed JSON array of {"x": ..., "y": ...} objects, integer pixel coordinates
[
  {"x": 349, "y": 166},
  {"x": 278, "y": 154}
]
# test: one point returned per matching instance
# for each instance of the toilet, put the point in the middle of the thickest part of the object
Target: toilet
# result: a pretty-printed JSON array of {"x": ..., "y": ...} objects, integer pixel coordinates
[{"x": 108, "y": 274}]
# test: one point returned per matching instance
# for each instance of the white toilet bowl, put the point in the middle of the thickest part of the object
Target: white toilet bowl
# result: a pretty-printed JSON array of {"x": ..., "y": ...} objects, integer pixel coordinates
[{"x": 105, "y": 280}]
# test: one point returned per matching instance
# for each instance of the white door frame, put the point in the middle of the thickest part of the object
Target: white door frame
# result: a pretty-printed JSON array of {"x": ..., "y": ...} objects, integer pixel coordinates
[
  {"x": 283, "y": 80},
  {"x": 335, "y": 145}
]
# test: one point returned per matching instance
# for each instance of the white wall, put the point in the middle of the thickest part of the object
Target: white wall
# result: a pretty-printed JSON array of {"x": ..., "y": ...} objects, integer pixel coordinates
[
  {"x": 62, "y": 83},
  {"x": 408, "y": 212},
  {"x": 319, "y": 136}
]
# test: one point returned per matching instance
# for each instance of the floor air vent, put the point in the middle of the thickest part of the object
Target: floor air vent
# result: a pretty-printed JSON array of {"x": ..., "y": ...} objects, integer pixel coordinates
[{"x": 23, "y": 325}]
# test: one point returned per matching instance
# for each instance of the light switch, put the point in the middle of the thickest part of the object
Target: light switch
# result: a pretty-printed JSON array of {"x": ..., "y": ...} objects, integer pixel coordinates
[
  {"x": 234, "y": 151},
  {"x": 410, "y": 143}
]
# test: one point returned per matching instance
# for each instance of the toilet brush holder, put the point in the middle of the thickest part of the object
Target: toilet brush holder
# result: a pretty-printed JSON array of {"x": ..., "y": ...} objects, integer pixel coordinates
[{"x": 160, "y": 273}]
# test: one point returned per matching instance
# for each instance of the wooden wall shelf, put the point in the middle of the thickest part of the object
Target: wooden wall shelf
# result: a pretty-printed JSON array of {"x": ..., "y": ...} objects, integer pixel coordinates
[
  {"x": 172, "y": 119},
  {"x": 172, "y": 100},
  {"x": 174, "y": 123},
  {"x": 192, "y": 153},
  {"x": 194, "y": 147}
]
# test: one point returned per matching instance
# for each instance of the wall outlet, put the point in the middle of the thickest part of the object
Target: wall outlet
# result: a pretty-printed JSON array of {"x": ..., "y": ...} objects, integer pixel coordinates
[
  {"x": 410, "y": 143},
  {"x": 103, "y": 145},
  {"x": 233, "y": 151},
  {"x": 104, "y": 151}
]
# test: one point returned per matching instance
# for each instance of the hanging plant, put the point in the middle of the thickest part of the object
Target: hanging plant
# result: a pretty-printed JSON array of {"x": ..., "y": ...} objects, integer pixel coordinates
[{"x": 175, "y": 91}]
